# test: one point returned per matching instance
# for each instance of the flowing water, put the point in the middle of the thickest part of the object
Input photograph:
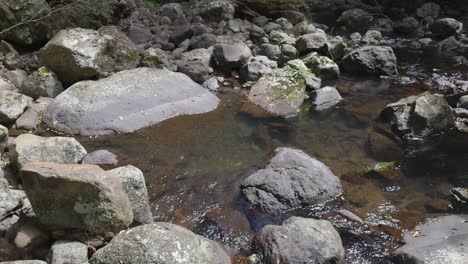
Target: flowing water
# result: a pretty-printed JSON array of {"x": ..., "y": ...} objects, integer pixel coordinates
[{"x": 194, "y": 164}]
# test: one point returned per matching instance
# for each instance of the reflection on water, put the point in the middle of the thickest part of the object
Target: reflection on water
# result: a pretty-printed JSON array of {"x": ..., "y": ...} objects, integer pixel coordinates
[{"x": 194, "y": 164}]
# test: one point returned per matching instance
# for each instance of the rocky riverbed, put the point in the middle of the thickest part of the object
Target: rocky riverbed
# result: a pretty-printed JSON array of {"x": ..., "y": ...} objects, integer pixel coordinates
[{"x": 234, "y": 132}]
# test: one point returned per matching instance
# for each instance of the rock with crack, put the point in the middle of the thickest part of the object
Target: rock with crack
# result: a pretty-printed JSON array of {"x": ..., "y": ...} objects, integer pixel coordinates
[
  {"x": 127, "y": 101},
  {"x": 291, "y": 180}
]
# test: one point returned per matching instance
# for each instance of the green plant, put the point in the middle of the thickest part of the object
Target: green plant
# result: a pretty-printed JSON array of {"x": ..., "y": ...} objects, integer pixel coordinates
[
  {"x": 378, "y": 167},
  {"x": 151, "y": 5},
  {"x": 298, "y": 73}
]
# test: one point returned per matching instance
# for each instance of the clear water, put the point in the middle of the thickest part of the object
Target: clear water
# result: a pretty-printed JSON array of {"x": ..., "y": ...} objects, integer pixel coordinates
[{"x": 194, "y": 164}]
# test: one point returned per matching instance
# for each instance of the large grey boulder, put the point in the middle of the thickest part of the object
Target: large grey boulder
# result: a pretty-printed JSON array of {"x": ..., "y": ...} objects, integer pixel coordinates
[
  {"x": 446, "y": 27},
  {"x": 13, "y": 12},
  {"x": 77, "y": 196},
  {"x": 300, "y": 240},
  {"x": 231, "y": 56},
  {"x": 127, "y": 101},
  {"x": 256, "y": 68},
  {"x": 79, "y": 54},
  {"x": 161, "y": 243},
  {"x": 371, "y": 60},
  {"x": 28, "y": 148},
  {"x": 195, "y": 64},
  {"x": 12, "y": 106},
  {"x": 68, "y": 252},
  {"x": 291, "y": 180},
  {"x": 316, "y": 41},
  {"x": 440, "y": 240},
  {"x": 41, "y": 83},
  {"x": 134, "y": 185},
  {"x": 279, "y": 92}
]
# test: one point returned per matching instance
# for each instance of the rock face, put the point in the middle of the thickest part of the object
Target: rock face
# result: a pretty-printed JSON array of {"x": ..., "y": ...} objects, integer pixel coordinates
[
  {"x": 279, "y": 93},
  {"x": 12, "y": 106},
  {"x": 442, "y": 240},
  {"x": 79, "y": 54},
  {"x": 41, "y": 83},
  {"x": 77, "y": 196},
  {"x": 31, "y": 148},
  {"x": 371, "y": 60},
  {"x": 161, "y": 243},
  {"x": 231, "y": 56},
  {"x": 68, "y": 252},
  {"x": 127, "y": 101},
  {"x": 134, "y": 185},
  {"x": 291, "y": 180},
  {"x": 300, "y": 240}
]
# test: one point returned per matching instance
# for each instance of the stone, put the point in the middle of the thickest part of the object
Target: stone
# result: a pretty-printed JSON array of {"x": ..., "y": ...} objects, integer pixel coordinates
[
  {"x": 325, "y": 98},
  {"x": 88, "y": 198},
  {"x": 256, "y": 68},
  {"x": 134, "y": 186},
  {"x": 355, "y": 20},
  {"x": 158, "y": 58},
  {"x": 195, "y": 64},
  {"x": 78, "y": 54},
  {"x": 139, "y": 34},
  {"x": 337, "y": 48},
  {"x": 16, "y": 77},
  {"x": 25, "y": 262},
  {"x": 150, "y": 96},
  {"x": 300, "y": 240},
  {"x": 383, "y": 148},
  {"x": 372, "y": 37},
  {"x": 203, "y": 41},
  {"x": 8, "y": 55},
  {"x": 41, "y": 83},
  {"x": 3, "y": 138},
  {"x": 291, "y": 180},
  {"x": 30, "y": 119},
  {"x": 280, "y": 38},
  {"x": 294, "y": 17},
  {"x": 160, "y": 243},
  {"x": 302, "y": 28},
  {"x": 211, "y": 84},
  {"x": 214, "y": 10},
  {"x": 312, "y": 42},
  {"x": 9, "y": 199},
  {"x": 463, "y": 102},
  {"x": 270, "y": 6},
  {"x": 231, "y": 56},
  {"x": 30, "y": 236},
  {"x": 279, "y": 93},
  {"x": 100, "y": 157},
  {"x": 288, "y": 52},
  {"x": 440, "y": 240},
  {"x": 272, "y": 51},
  {"x": 406, "y": 26},
  {"x": 68, "y": 252},
  {"x": 13, "y": 12},
  {"x": 370, "y": 60},
  {"x": 323, "y": 67},
  {"x": 446, "y": 27},
  {"x": 171, "y": 10},
  {"x": 429, "y": 9},
  {"x": 181, "y": 33},
  {"x": 12, "y": 106},
  {"x": 6, "y": 85},
  {"x": 28, "y": 148}
]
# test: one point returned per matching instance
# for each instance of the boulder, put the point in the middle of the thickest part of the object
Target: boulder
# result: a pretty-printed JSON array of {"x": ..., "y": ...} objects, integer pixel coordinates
[
  {"x": 429, "y": 9},
  {"x": 446, "y": 27},
  {"x": 355, "y": 20},
  {"x": 325, "y": 98},
  {"x": 323, "y": 67},
  {"x": 171, "y": 10},
  {"x": 272, "y": 51},
  {"x": 3, "y": 138},
  {"x": 300, "y": 240},
  {"x": 372, "y": 37},
  {"x": 134, "y": 185},
  {"x": 406, "y": 26},
  {"x": 30, "y": 119},
  {"x": 149, "y": 96},
  {"x": 214, "y": 10},
  {"x": 312, "y": 42},
  {"x": 203, "y": 41},
  {"x": 8, "y": 55},
  {"x": 79, "y": 54},
  {"x": 100, "y": 157},
  {"x": 256, "y": 68},
  {"x": 88, "y": 197},
  {"x": 440, "y": 240},
  {"x": 9, "y": 199},
  {"x": 160, "y": 243},
  {"x": 269, "y": 6},
  {"x": 291, "y": 180},
  {"x": 279, "y": 92},
  {"x": 231, "y": 56},
  {"x": 337, "y": 48},
  {"x": 158, "y": 58},
  {"x": 12, "y": 106},
  {"x": 68, "y": 252},
  {"x": 371, "y": 60},
  {"x": 195, "y": 64},
  {"x": 41, "y": 83},
  {"x": 28, "y": 148},
  {"x": 13, "y": 12},
  {"x": 16, "y": 77}
]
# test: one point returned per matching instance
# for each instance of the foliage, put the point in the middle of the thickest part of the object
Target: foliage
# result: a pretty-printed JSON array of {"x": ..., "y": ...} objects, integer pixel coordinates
[
  {"x": 381, "y": 166},
  {"x": 298, "y": 73},
  {"x": 151, "y": 5}
]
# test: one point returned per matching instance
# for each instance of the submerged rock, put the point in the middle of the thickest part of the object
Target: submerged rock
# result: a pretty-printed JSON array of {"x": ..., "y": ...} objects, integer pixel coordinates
[
  {"x": 300, "y": 240},
  {"x": 161, "y": 243},
  {"x": 28, "y": 148},
  {"x": 127, "y": 101},
  {"x": 371, "y": 60},
  {"x": 279, "y": 92},
  {"x": 442, "y": 240},
  {"x": 77, "y": 196},
  {"x": 291, "y": 180},
  {"x": 79, "y": 54}
]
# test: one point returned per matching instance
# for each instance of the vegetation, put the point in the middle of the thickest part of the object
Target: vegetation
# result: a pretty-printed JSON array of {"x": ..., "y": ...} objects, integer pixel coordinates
[
  {"x": 298, "y": 73},
  {"x": 151, "y": 5}
]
